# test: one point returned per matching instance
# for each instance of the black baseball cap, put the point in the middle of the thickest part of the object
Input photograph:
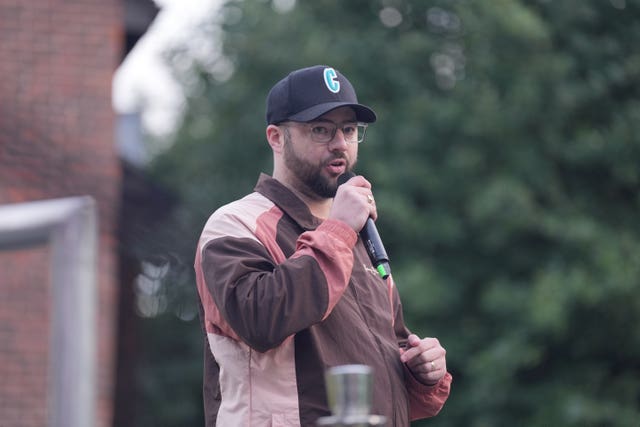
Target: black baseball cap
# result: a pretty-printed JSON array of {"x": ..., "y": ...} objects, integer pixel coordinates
[{"x": 308, "y": 93}]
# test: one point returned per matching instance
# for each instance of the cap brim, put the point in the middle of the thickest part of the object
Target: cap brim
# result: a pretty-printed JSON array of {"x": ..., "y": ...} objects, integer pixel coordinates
[{"x": 363, "y": 113}]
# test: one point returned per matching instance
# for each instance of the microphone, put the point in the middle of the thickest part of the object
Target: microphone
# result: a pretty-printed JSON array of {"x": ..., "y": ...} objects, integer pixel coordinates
[{"x": 371, "y": 239}]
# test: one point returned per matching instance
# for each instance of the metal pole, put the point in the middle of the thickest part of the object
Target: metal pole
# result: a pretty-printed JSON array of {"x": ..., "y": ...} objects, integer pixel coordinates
[{"x": 69, "y": 225}]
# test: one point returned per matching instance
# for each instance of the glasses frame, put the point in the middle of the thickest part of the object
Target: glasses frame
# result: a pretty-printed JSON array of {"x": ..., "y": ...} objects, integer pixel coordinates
[{"x": 335, "y": 126}]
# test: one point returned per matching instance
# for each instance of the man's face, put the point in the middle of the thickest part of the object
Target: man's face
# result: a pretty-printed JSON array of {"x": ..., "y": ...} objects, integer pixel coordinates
[{"x": 315, "y": 167}]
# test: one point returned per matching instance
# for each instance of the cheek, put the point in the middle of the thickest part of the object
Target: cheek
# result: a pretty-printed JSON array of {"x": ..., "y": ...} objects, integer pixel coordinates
[{"x": 353, "y": 151}]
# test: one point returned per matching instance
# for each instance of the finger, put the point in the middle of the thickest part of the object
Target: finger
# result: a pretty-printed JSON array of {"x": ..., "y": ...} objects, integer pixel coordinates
[
  {"x": 373, "y": 209},
  {"x": 368, "y": 202},
  {"x": 413, "y": 340},
  {"x": 431, "y": 377},
  {"x": 426, "y": 342},
  {"x": 437, "y": 366},
  {"x": 429, "y": 360},
  {"x": 423, "y": 369},
  {"x": 358, "y": 181},
  {"x": 415, "y": 345},
  {"x": 362, "y": 186},
  {"x": 426, "y": 349},
  {"x": 411, "y": 354}
]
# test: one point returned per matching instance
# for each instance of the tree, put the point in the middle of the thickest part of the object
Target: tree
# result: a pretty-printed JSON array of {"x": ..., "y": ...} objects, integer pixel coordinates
[{"x": 505, "y": 170}]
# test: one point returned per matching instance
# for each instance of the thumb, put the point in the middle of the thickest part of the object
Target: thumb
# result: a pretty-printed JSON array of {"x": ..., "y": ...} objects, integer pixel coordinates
[{"x": 413, "y": 340}]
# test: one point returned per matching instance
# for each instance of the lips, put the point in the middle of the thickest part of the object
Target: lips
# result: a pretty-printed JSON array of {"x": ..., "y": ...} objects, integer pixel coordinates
[{"x": 337, "y": 166}]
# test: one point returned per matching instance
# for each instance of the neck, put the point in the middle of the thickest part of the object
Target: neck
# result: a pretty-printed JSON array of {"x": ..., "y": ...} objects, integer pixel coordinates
[{"x": 318, "y": 206}]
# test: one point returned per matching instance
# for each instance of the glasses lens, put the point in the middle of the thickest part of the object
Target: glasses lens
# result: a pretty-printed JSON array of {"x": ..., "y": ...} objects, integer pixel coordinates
[
  {"x": 354, "y": 132},
  {"x": 323, "y": 132},
  {"x": 362, "y": 128},
  {"x": 350, "y": 132}
]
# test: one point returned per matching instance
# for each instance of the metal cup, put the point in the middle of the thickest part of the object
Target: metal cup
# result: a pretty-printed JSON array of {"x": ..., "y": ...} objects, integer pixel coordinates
[{"x": 349, "y": 390}]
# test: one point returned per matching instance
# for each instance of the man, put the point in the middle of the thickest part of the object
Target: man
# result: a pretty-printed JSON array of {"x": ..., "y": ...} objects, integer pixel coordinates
[{"x": 287, "y": 288}]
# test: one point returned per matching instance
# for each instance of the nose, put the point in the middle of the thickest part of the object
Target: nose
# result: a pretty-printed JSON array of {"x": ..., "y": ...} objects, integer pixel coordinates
[{"x": 339, "y": 142}]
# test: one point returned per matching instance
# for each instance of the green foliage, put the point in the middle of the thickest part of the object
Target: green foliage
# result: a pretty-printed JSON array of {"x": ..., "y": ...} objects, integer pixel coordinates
[{"x": 505, "y": 167}]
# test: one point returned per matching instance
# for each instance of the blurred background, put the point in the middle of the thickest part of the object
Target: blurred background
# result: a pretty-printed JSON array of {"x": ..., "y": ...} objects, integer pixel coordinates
[{"x": 505, "y": 163}]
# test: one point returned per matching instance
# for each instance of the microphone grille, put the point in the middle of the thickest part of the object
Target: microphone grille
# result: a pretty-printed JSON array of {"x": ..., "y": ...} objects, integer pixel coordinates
[{"x": 345, "y": 177}]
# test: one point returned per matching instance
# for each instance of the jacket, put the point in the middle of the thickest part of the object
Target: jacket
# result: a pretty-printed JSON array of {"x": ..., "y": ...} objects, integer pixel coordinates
[{"x": 284, "y": 296}]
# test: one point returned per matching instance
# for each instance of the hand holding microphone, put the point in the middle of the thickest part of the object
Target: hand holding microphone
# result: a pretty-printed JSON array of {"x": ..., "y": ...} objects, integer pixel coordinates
[
  {"x": 353, "y": 203},
  {"x": 348, "y": 208}
]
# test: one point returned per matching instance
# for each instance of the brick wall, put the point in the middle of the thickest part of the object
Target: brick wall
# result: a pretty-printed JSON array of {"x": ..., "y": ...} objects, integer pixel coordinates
[{"x": 57, "y": 59}]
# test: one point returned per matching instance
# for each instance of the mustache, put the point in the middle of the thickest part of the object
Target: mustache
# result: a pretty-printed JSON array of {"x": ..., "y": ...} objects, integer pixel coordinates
[{"x": 350, "y": 164}]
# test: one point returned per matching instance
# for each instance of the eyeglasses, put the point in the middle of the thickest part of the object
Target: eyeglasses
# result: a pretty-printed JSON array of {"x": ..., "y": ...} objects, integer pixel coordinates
[{"x": 323, "y": 132}]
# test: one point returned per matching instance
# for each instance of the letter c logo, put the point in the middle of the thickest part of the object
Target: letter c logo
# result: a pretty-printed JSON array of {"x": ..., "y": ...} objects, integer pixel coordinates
[{"x": 331, "y": 80}]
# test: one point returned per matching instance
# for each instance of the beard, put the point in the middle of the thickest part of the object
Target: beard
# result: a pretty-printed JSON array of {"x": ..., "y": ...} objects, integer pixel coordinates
[{"x": 309, "y": 174}]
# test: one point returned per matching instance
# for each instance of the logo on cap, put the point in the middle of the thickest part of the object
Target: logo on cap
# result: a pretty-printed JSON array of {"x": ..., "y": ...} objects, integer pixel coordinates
[{"x": 331, "y": 80}]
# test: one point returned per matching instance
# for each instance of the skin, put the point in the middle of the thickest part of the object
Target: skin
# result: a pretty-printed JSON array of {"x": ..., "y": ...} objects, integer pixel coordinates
[
  {"x": 420, "y": 354},
  {"x": 298, "y": 163}
]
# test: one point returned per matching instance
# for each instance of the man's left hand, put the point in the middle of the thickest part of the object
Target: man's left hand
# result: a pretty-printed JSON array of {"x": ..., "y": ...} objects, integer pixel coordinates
[{"x": 425, "y": 358}]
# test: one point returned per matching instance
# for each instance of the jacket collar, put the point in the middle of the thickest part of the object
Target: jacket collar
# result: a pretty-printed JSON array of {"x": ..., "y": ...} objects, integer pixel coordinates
[{"x": 287, "y": 201}]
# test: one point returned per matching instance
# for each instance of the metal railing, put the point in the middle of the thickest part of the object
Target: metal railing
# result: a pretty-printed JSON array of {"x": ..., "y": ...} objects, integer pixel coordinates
[{"x": 69, "y": 227}]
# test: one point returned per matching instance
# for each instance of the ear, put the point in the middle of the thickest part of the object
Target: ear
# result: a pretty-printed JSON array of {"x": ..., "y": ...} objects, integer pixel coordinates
[{"x": 275, "y": 137}]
